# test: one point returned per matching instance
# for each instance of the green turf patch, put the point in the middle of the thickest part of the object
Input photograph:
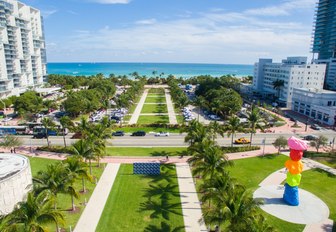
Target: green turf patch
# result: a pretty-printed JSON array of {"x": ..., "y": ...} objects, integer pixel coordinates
[
  {"x": 155, "y": 100},
  {"x": 157, "y": 108},
  {"x": 153, "y": 119},
  {"x": 156, "y": 90},
  {"x": 323, "y": 185},
  {"x": 156, "y": 96},
  {"x": 144, "y": 151},
  {"x": 143, "y": 203},
  {"x": 64, "y": 201}
]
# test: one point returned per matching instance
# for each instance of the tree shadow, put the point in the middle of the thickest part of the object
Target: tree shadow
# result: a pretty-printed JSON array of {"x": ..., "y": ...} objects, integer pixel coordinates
[
  {"x": 160, "y": 208},
  {"x": 268, "y": 156},
  {"x": 161, "y": 191},
  {"x": 160, "y": 153},
  {"x": 163, "y": 227},
  {"x": 324, "y": 172}
]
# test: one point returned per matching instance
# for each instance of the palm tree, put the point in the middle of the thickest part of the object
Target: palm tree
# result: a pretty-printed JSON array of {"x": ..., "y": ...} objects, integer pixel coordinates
[
  {"x": 200, "y": 102},
  {"x": 65, "y": 122},
  {"x": 255, "y": 121},
  {"x": 83, "y": 127},
  {"x": 196, "y": 132},
  {"x": 53, "y": 179},
  {"x": 233, "y": 127},
  {"x": 84, "y": 149},
  {"x": 11, "y": 141},
  {"x": 214, "y": 129},
  {"x": 277, "y": 85},
  {"x": 208, "y": 160},
  {"x": 35, "y": 213},
  {"x": 47, "y": 124},
  {"x": 76, "y": 169}
]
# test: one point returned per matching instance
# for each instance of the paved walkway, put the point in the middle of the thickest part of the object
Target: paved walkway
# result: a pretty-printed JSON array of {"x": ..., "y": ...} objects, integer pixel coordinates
[
  {"x": 191, "y": 207},
  {"x": 93, "y": 210},
  {"x": 137, "y": 111},
  {"x": 170, "y": 106}
]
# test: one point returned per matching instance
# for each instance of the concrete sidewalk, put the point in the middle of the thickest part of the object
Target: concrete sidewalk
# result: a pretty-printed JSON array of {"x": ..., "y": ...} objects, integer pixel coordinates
[
  {"x": 137, "y": 111},
  {"x": 191, "y": 207},
  {"x": 170, "y": 107},
  {"x": 93, "y": 210}
]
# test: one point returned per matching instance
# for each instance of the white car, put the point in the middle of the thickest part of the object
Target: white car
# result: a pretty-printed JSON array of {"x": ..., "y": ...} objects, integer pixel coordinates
[{"x": 162, "y": 134}]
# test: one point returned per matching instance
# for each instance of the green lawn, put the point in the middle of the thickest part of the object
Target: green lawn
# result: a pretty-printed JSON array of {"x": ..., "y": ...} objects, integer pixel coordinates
[
  {"x": 151, "y": 108},
  {"x": 144, "y": 151},
  {"x": 156, "y": 96},
  {"x": 64, "y": 201},
  {"x": 153, "y": 119},
  {"x": 327, "y": 158},
  {"x": 156, "y": 90},
  {"x": 155, "y": 100},
  {"x": 128, "y": 129},
  {"x": 143, "y": 203},
  {"x": 323, "y": 185},
  {"x": 180, "y": 119}
]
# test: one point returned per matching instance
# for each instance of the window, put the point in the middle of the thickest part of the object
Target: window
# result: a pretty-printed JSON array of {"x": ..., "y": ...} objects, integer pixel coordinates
[
  {"x": 307, "y": 112},
  {"x": 329, "y": 103},
  {"x": 313, "y": 114}
]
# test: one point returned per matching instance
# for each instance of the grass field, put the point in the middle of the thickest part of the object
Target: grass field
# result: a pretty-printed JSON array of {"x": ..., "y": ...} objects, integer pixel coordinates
[
  {"x": 64, "y": 201},
  {"x": 157, "y": 108},
  {"x": 156, "y": 96},
  {"x": 155, "y": 100},
  {"x": 156, "y": 90},
  {"x": 143, "y": 203},
  {"x": 144, "y": 151},
  {"x": 180, "y": 119},
  {"x": 153, "y": 119}
]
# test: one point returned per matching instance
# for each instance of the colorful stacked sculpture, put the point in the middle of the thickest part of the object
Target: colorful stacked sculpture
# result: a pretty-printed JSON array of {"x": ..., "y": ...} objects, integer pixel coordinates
[{"x": 294, "y": 167}]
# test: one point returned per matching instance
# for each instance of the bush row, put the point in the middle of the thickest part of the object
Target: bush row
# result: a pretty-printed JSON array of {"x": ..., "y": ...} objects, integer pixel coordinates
[
  {"x": 56, "y": 148},
  {"x": 240, "y": 149}
]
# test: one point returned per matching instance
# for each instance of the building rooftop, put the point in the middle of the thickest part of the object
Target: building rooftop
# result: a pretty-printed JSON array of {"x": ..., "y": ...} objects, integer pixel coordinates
[
  {"x": 11, "y": 164},
  {"x": 314, "y": 90}
]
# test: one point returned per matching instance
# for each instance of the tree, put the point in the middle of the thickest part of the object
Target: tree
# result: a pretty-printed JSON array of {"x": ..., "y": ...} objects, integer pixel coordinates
[
  {"x": 28, "y": 102},
  {"x": 35, "y": 213},
  {"x": 208, "y": 160},
  {"x": 196, "y": 132},
  {"x": 76, "y": 169},
  {"x": 47, "y": 124},
  {"x": 233, "y": 127},
  {"x": 66, "y": 123},
  {"x": 200, "y": 102},
  {"x": 255, "y": 121},
  {"x": 277, "y": 85},
  {"x": 215, "y": 128},
  {"x": 84, "y": 149},
  {"x": 11, "y": 141},
  {"x": 321, "y": 141},
  {"x": 280, "y": 142}
]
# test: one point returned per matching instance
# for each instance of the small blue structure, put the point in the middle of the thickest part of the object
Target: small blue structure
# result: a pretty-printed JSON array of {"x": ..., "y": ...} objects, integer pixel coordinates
[
  {"x": 146, "y": 168},
  {"x": 291, "y": 195}
]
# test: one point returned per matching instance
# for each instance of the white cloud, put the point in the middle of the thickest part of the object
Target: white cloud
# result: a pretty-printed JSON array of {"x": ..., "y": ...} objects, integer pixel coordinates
[
  {"x": 111, "y": 1},
  {"x": 47, "y": 13},
  {"x": 146, "y": 21},
  {"x": 214, "y": 37}
]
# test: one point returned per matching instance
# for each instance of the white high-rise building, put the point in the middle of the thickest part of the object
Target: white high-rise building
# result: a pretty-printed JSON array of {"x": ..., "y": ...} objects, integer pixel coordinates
[
  {"x": 22, "y": 48},
  {"x": 295, "y": 72}
]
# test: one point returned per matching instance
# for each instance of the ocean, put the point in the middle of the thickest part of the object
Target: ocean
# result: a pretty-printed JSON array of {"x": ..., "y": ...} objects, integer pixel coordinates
[{"x": 177, "y": 69}]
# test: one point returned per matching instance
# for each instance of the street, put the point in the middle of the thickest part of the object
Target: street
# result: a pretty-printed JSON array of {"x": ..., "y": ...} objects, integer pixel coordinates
[{"x": 174, "y": 140}]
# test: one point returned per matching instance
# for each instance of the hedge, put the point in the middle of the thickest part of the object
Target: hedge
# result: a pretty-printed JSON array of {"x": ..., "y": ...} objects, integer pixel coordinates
[{"x": 240, "y": 149}]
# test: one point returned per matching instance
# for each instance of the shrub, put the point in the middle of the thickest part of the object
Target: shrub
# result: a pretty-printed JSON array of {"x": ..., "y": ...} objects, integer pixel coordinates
[
  {"x": 240, "y": 149},
  {"x": 56, "y": 149}
]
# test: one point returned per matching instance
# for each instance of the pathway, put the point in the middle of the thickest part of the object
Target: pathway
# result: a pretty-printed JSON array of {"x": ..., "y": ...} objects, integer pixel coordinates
[
  {"x": 137, "y": 111},
  {"x": 170, "y": 107},
  {"x": 191, "y": 207},
  {"x": 92, "y": 212}
]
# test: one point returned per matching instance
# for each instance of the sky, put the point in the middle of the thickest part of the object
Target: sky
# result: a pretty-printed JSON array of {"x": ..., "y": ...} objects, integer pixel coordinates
[{"x": 176, "y": 31}]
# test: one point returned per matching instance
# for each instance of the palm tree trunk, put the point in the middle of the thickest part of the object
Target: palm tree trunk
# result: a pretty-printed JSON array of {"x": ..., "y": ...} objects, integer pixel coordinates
[
  {"x": 83, "y": 184},
  {"x": 73, "y": 203},
  {"x": 90, "y": 166},
  {"x": 64, "y": 138},
  {"x": 232, "y": 140},
  {"x": 251, "y": 138},
  {"x": 47, "y": 139}
]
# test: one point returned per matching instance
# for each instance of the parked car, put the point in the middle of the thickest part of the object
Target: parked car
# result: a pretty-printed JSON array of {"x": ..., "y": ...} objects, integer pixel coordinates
[
  {"x": 310, "y": 137},
  {"x": 138, "y": 133},
  {"x": 315, "y": 127},
  {"x": 242, "y": 141},
  {"x": 118, "y": 133},
  {"x": 162, "y": 134}
]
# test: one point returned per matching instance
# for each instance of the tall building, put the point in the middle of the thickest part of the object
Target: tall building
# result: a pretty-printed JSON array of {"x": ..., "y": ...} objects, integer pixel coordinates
[
  {"x": 295, "y": 72},
  {"x": 22, "y": 48},
  {"x": 324, "y": 42}
]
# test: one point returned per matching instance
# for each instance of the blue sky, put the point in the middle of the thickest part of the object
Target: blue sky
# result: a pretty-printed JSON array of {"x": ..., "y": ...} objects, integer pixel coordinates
[{"x": 192, "y": 31}]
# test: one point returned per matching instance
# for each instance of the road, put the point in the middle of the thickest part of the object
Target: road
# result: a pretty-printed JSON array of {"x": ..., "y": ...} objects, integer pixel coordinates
[{"x": 174, "y": 140}]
